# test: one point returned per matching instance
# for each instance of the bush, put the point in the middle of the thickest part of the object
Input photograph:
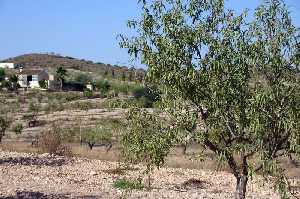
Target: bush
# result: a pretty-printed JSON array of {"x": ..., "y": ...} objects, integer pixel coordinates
[
  {"x": 82, "y": 78},
  {"x": 103, "y": 86},
  {"x": 147, "y": 95},
  {"x": 128, "y": 184},
  {"x": 17, "y": 128},
  {"x": 50, "y": 141},
  {"x": 43, "y": 84},
  {"x": 82, "y": 105},
  {"x": 2, "y": 74},
  {"x": 99, "y": 134},
  {"x": 88, "y": 93}
]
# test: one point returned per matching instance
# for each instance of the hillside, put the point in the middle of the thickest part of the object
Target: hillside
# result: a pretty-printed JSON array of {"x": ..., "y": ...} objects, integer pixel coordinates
[{"x": 54, "y": 61}]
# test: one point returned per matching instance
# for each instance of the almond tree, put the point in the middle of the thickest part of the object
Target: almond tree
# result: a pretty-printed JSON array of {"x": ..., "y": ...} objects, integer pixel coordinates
[
  {"x": 232, "y": 84},
  {"x": 61, "y": 74},
  {"x": 4, "y": 124}
]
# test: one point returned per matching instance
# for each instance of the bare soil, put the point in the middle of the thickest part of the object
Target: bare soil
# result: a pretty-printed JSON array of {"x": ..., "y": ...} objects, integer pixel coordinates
[{"x": 43, "y": 176}]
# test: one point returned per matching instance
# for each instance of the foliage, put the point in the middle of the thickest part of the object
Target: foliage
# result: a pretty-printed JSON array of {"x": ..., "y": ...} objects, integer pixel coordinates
[
  {"x": 83, "y": 78},
  {"x": 149, "y": 95},
  {"x": 34, "y": 107},
  {"x": 82, "y": 105},
  {"x": 43, "y": 84},
  {"x": 103, "y": 86},
  {"x": 4, "y": 124},
  {"x": 88, "y": 93},
  {"x": 148, "y": 139},
  {"x": 2, "y": 74},
  {"x": 17, "y": 128},
  {"x": 61, "y": 74},
  {"x": 11, "y": 84},
  {"x": 128, "y": 184},
  {"x": 230, "y": 83},
  {"x": 51, "y": 142},
  {"x": 98, "y": 135}
]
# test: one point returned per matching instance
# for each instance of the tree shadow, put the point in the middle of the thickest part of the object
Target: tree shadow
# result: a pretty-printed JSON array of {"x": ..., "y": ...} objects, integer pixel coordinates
[
  {"x": 36, "y": 161},
  {"x": 39, "y": 195}
]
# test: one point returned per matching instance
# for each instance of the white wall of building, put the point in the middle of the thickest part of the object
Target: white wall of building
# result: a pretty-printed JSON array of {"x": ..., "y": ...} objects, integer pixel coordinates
[{"x": 7, "y": 65}]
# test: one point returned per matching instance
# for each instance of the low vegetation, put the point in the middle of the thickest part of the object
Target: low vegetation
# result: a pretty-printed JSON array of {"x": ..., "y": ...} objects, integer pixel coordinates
[{"x": 128, "y": 184}]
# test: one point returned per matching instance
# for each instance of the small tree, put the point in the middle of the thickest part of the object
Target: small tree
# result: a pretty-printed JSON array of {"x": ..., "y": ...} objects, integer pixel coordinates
[
  {"x": 4, "y": 124},
  {"x": 43, "y": 84},
  {"x": 61, "y": 74},
  {"x": 148, "y": 140},
  {"x": 130, "y": 76},
  {"x": 113, "y": 73},
  {"x": 14, "y": 83},
  {"x": 98, "y": 135},
  {"x": 233, "y": 85},
  {"x": 103, "y": 86},
  {"x": 2, "y": 74},
  {"x": 123, "y": 77}
]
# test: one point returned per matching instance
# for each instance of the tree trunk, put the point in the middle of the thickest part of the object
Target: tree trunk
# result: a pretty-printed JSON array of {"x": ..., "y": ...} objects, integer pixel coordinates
[
  {"x": 91, "y": 145},
  {"x": 241, "y": 186}
]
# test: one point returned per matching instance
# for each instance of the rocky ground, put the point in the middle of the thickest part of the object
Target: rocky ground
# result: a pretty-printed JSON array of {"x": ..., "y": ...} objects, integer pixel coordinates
[{"x": 44, "y": 176}]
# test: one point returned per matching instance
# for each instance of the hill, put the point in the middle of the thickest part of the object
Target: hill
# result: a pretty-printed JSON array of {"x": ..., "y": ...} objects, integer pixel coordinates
[{"x": 52, "y": 61}]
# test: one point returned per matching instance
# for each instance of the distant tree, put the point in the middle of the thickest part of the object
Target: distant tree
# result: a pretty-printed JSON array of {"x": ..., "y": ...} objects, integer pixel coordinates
[
  {"x": 140, "y": 78},
  {"x": 83, "y": 78},
  {"x": 105, "y": 73},
  {"x": 123, "y": 77},
  {"x": 148, "y": 94},
  {"x": 113, "y": 73},
  {"x": 4, "y": 124},
  {"x": 231, "y": 84},
  {"x": 2, "y": 74},
  {"x": 43, "y": 84},
  {"x": 14, "y": 82},
  {"x": 130, "y": 76},
  {"x": 61, "y": 74},
  {"x": 103, "y": 86},
  {"x": 98, "y": 135}
]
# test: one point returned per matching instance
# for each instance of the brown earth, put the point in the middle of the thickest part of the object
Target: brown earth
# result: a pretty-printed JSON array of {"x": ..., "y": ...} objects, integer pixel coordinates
[{"x": 43, "y": 176}]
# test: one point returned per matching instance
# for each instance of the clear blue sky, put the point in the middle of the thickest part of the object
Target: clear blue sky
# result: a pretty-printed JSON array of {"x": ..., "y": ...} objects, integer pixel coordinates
[{"x": 79, "y": 28}]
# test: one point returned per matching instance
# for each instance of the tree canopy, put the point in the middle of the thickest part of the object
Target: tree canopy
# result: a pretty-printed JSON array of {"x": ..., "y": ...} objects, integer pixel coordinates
[{"x": 233, "y": 84}]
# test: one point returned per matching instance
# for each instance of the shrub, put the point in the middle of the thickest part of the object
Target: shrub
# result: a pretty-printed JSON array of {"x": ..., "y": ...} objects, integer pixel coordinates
[
  {"x": 82, "y": 78},
  {"x": 4, "y": 124},
  {"x": 147, "y": 95},
  {"x": 17, "y": 128},
  {"x": 88, "y": 93},
  {"x": 43, "y": 84},
  {"x": 100, "y": 135},
  {"x": 51, "y": 142},
  {"x": 103, "y": 86},
  {"x": 128, "y": 184},
  {"x": 2, "y": 74},
  {"x": 82, "y": 105}
]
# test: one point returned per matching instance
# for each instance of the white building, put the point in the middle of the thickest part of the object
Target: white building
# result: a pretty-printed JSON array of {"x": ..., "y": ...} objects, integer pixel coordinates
[
  {"x": 31, "y": 77},
  {"x": 7, "y": 65}
]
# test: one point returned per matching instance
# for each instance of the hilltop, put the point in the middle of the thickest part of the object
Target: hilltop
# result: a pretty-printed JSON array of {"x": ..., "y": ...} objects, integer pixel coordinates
[{"x": 52, "y": 61}]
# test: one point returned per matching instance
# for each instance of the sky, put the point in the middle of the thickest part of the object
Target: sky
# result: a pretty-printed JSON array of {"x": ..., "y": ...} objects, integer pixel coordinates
[{"x": 85, "y": 29}]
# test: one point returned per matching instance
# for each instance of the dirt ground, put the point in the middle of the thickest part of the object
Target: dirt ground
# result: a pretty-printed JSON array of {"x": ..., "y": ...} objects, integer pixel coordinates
[{"x": 44, "y": 176}]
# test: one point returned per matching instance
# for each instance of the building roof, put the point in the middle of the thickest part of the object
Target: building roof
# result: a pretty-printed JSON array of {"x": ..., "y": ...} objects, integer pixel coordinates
[{"x": 33, "y": 71}]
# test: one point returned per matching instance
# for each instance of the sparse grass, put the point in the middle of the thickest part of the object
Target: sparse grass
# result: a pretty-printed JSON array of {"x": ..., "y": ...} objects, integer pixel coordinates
[
  {"x": 17, "y": 128},
  {"x": 128, "y": 184}
]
